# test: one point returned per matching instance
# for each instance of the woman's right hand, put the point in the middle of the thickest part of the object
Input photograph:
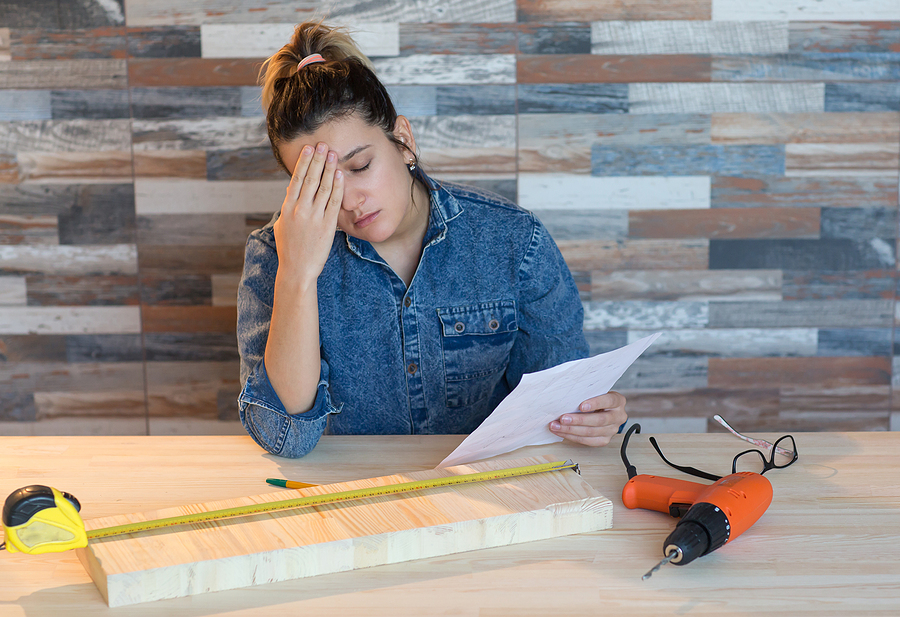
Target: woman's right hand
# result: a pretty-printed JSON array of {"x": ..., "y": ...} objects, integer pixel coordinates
[{"x": 304, "y": 232}]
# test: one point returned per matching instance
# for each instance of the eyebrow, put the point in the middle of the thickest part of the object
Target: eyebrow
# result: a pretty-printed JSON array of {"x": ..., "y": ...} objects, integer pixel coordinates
[{"x": 353, "y": 153}]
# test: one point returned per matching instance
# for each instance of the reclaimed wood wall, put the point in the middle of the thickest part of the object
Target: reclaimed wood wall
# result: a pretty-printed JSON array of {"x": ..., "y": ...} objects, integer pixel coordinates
[{"x": 723, "y": 171}]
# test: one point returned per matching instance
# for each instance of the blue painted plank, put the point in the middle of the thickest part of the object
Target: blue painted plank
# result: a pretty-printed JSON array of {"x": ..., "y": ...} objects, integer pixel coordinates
[
  {"x": 557, "y": 38},
  {"x": 859, "y": 285},
  {"x": 862, "y": 97},
  {"x": 835, "y": 37},
  {"x": 412, "y": 101},
  {"x": 601, "y": 341},
  {"x": 198, "y": 102},
  {"x": 90, "y": 104},
  {"x": 573, "y": 98},
  {"x": 859, "y": 223},
  {"x": 475, "y": 100},
  {"x": 808, "y": 67},
  {"x": 164, "y": 42},
  {"x": 251, "y": 102},
  {"x": 802, "y": 254},
  {"x": 855, "y": 342},
  {"x": 104, "y": 348},
  {"x": 24, "y": 105},
  {"x": 687, "y": 160}
]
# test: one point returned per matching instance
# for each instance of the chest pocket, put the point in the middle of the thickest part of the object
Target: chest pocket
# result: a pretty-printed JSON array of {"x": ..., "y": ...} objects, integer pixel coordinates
[{"x": 476, "y": 341}]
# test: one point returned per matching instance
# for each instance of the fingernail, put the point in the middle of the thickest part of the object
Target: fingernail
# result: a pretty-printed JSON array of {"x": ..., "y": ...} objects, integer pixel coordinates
[
  {"x": 585, "y": 407},
  {"x": 320, "y": 148},
  {"x": 307, "y": 150},
  {"x": 555, "y": 426},
  {"x": 331, "y": 157},
  {"x": 566, "y": 419},
  {"x": 338, "y": 174}
]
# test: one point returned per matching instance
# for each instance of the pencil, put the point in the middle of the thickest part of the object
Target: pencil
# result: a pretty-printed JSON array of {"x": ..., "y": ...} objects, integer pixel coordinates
[{"x": 287, "y": 483}]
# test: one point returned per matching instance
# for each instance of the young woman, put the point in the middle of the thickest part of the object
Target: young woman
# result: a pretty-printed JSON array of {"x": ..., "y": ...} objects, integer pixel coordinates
[{"x": 378, "y": 300}]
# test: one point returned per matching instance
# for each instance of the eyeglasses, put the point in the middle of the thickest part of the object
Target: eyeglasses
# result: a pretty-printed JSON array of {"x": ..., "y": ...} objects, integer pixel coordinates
[
  {"x": 762, "y": 443},
  {"x": 752, "y": 460}
]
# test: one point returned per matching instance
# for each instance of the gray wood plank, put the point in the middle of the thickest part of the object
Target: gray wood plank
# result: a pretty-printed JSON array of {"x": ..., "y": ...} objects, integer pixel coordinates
[
  {"x": 200, "y": 134},
  {"x": 475, "y": 100},
  {"x": 733, "y": 342},
  {"x": 803, "y": 314},
  {"x": 824, "y": 36},
  {"x": 185, "y": 102},
  {"x": 584, "y": 224},
  {"x": 859, "y": 223},
  {"x": 54, "y": 14},
  {"x": 455, "y": 38},
  {"x": 103, "y": 216},
  {"x": 860, "y": 285},
  {"x": 86, "y": 74},
  {"x": 244, "y": 164},
  {"x": 688, "y": 37},
  {"x": 573, "y": 98},
  {"x": 803, "y": 254},
  {"x": 191, "y": 347},
  {"x": 807, "y": 67},
  {"x": 68, "y": 260},
  {"x": 687, "y": 285},
  {"x": 464, "y": 131},
  {"x": 555, "y": 38},
  {"x": 104, "y": 348},
  {"x": 804, "y": 10},
  {"x": 164, "y": 42},
  {"x": 193, "y": 229},
  {"x": 89, "y": 104},
  {"x": 856, "y": 342},
  {"x": 443, "y": 69},
  {"x": 862, "y": 97},
  {"x": 74, "y": 135},
  {"x": 413, "y": 101},
  {"x": 644, "y": 315},
  {"x": 24, "y": 105},
  {"x": 694, "y": 160},
  {"x": 660, "y": 372},
  {"x": 695, "y": 98}
]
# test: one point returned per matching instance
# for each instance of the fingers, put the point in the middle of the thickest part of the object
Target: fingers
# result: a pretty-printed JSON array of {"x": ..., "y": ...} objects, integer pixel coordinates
[
  {"x": 314, "y": 177},
  {"x": 333, "y": 207},
  {"x": 598, "y": 421},
  {"x": 300, "y": 169}
]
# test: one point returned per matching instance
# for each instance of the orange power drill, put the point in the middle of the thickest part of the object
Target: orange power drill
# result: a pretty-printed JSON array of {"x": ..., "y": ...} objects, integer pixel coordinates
[{"x": 711, "y": 515}]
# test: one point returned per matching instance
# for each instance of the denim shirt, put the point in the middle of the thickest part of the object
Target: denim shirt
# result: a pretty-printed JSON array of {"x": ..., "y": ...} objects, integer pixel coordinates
[{"x": 491, "y": 299}]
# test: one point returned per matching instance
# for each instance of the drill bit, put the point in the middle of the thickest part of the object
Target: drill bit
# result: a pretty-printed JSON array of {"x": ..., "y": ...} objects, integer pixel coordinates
[{"x": 663, "y": 562}]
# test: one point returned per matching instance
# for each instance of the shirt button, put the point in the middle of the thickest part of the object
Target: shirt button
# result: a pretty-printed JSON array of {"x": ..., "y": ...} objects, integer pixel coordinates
[
  {"x": 493, "y": 324},
  {"x": 412, "y": 368},
  {"x": 406, "y": 302},
  {"x": 460, "y": 326}
]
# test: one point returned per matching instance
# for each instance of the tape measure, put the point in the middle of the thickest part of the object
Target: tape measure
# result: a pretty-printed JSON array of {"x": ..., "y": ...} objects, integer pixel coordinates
[{"x": 39, "y": 519}]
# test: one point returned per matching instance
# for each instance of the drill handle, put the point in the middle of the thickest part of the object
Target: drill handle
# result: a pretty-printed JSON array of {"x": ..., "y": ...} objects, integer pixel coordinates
[{"x": 666, "y": 495}]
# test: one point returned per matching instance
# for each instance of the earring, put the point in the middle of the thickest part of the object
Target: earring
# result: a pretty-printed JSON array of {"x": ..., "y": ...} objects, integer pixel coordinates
[{"x": 411, "y": 165}]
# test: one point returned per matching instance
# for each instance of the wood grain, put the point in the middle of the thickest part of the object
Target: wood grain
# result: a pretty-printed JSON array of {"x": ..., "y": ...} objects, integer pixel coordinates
[
  {"x": 69, "y": 320},
  {"x": 199, "y": 134},
  {"x": 185, "y": 102},
  {"x": 592, "y": 10},
  {"x": 699, "y": 98},
  {"x": 687, "y": 285},
  {"x": 188, "y": 196},
  {"x": 605, "y": 315},
  {"x": 832, "y": 191},
  {"x": 573, "y": 98},
  {"x": 24, "y": 105},
  {"x": 442, "y": 69},
  {"x": 106, "y": 166},
  {"x": 89, "y": 104},
  {"x": 802, "y": 10},
  {"x": 692, "y": 160},
  {"x": 734, "y": 342},
  {"x": 805, "y": 67},
  {"x": 802, "y": 254},
  {"x": 583, "y": 68},
  {"x": 162, "y": 260},
  {"x": 192, "y": 72},
  {"x": 607, "y": 256},
  {"x": 12, "y": 291},
  {"x": 865, "y": 285},
  {"x": 69, "y": 260},
  {"x": 862, "y": 97},
  {"x": 881, "y": 159},
  {"x": 823, "y": 372},
  {"x": 369, "y": 532},
  {"x": 44, "y": 44},
  {"x": 803, "y": 313},
  {"x": 571, "y": 191},
  {"x": 826, "y": 128},
  {"x": 554, "y": 38},
  {"x": 80, "y": 74},
  {"x": 725, "y": 223},
  {"x": 170, "y": 164},
  {"x": 84, "y": 290},
  {"x": 164, "y": 42},
  {"x": 26, "y": 229},
  {"x": 456, "y": 38},
  {"x": 846, "y": 37},
  {"x": 647, "y": 37},
  {"x": 188, "y": 318},
  {"x": 66, "y": 136}
]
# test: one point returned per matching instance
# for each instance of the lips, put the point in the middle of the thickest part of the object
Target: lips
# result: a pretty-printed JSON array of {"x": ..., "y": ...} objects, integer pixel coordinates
[{"x": 366, "y": 220}]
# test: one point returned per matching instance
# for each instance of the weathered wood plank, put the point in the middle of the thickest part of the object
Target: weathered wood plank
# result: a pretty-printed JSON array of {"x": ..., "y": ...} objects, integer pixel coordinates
[
  {"x": 806, "y": 67},
  {"x": 803, "y": 314},
  {"x": 573, "y": 98},
  {"x": 829, "y": 128},
  {"x": 584, "y": 224},
  {"x": 880, "y": 159},
  {"x": 92, "y": 290},
  {"x": 225, "y": 289},
  {"x": 76, "y": 426},
  {"x": 844, "y": 37},
  {"x": 52, "y": 14},
  {"x": 733, "y": 342},
  {"x": 862, "y": 97},
  {"x": 648, "y": 37},
  {"x": 860, "y": 223},
  {"x": 607, "y": 255},
  {"x": 104, "y": 348},
  {"x": 170, "y": 164},
  {"x": 12, "y": 291},
  {"x": 692, "y": 160},
  {"x": 75, "y": 135},
  {"x": 244, "y": 164},
  {"x": 687, "y": 285},
  {"x": 199, "y": 134},
  {"x": 162, "y": 13},
  {"x": 24, "y": 105},
  {"x": 9, "y": 169},
  {"x": 802, "y": 254},
  {"x": 654, "y": 373},
  {"x": 175, "y": 289},
  {"x": 193, "y": 229},
  {"x": 475, "y": 100},
  {"x": 412, "y": 101},
  {"x": 726, "y": 223},
  {"x": 58, "y": 74},
  {"x": 71, "y": 167},
  {"x": 574, "y": 192},
  {"x": 455, "y": 38},
  {"x": 804, "y": 10},
  {"x": 162, "y": 261},
  {"x": 465, "y": 160},
  {"x": 833, "y": 192},
  {"x": 630, "y": 314},
  {"x": 5, "y": 54},
  {"x": 188, "y": 196},
  {"x": 119, "y": 404},
  {"x": 68, "y": 260},
  {"x": 192, "y": 72},
  {"x": 590, "y": 68},
  {"x": 738, "y": 406},
  {"x": 164, "y": 42},
  {"x": 71, "y": 377},
  {"x": 699, "y": 98},
  {"x": 89, "y": 104},
  {"x": 261, "y": 40},
  {"x": 439, "y": 69},
  {"x": 856, "y": 342},
  {"x": 591, "y": 10},
  {"x": 466, "y": 131},
  {"x": 194, "y": 319},
  {"x": 185, "y": 102},
  {"x": 105, "y": 218},
  {"x": 821, "y": 372},
  {"x": 70, "y": 320},
  {"x": 860, "y": 285},
  {"x": 68, "y": 44},
  {"x": 34, "y": 348},
  {"x": 191, "y": 347},
  {"x": 554, "y": 38}
]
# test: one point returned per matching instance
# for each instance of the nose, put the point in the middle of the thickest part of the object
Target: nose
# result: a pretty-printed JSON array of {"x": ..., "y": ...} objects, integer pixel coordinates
[{"x": 352, "y": 199}]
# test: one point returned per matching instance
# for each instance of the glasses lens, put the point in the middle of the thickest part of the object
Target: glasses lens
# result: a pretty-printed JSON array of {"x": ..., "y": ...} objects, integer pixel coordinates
[
  {"x": 785, "y": 452},
  {"x": 751, "y": 460}
]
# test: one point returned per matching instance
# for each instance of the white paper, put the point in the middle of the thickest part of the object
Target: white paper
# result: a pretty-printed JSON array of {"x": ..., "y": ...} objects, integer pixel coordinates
[{"x": 523, "y": 417}]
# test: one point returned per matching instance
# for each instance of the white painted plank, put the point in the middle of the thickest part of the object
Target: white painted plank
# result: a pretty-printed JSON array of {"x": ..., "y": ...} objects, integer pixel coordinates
[
  {"x": 12, "y": 291},
  {"x": 263, "y": 40},
  {"x": 443, "y": 69},
  {"x": 701, "y": 98},
  {"x": 806, "y": 10},
  {"x": 879, "y": 159},
  {"x": 200, "y": 134},
  {"x": 481, "y": 132},
  {"x": 178, "y": 196},
  {"x": 572, "y": 191},
  {"x": 689, "y": 37},
  {"x": 70, "y": 320},
  {"x": 70, "y": 260},
  {"x": 735, "y": 342},
  {"x": 638, "y": 314}
]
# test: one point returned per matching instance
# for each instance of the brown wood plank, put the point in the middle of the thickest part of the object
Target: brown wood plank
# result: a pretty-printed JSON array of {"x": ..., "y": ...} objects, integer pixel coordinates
[
  {"x": 106, "y": 404},
  {"x": 43, "y": 44},
  {"x": 106, "y": 166},
  {"x": 28, "y": 229},
  {"x": 194, "y": 72},
  {"x": 596, "y": 10},
  {"x": 881, "y": 159},
  {"x": 591, "y": 68},
  {"x": 834, "y": 191},
  {"x": 635, "y": 254},
  {"x": 686, "y": 285},
  {"x": 849, "y": 127},
  {"x": 725, "y": 223},
  {"x": 824, "y": 372},
  {"x": 170, "y": 164},
  {"x": 162, "y": 260},
  {"x": 188, "y": 318},
  {"x": 77, "y": 74}
]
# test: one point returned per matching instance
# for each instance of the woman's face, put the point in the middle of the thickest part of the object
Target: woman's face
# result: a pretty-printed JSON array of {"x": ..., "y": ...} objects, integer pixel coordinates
[{"x": 376, "y": 203}]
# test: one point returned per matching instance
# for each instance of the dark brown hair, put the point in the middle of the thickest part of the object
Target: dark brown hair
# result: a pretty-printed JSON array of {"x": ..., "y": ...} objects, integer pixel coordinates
[{"x": 299, "y": 102}]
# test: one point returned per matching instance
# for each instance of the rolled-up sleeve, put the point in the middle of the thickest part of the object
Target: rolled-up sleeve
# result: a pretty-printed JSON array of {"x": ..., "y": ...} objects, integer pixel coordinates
[
  {"x": 261, "y": 411},
  {"x": 550, "y": 313}
]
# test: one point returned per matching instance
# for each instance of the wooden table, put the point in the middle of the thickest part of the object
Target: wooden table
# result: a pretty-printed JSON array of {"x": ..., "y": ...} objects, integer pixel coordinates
[{"x": 828, "y": 544}]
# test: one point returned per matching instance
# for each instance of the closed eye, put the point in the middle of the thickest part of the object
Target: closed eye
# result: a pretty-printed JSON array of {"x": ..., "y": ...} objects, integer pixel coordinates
[{"x": 361, "y": 169}]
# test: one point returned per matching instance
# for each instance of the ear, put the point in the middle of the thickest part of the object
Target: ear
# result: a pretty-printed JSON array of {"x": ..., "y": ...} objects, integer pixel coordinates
[{"x": 403, "y": 132}]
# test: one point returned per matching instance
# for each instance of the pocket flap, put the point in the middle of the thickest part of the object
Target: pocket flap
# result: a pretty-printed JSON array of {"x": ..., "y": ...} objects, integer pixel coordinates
[{"x": 479, "y": 319}]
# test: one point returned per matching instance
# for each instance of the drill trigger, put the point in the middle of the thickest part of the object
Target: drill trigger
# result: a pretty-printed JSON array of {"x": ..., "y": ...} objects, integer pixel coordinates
[{"x": 679, "y": 509}]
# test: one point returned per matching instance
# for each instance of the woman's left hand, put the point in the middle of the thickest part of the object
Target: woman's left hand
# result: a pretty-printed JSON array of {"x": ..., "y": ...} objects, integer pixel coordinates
[{"x": 599, "y": 418}]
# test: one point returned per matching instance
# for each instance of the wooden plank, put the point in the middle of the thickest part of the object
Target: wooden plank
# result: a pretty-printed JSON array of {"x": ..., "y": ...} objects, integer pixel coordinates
[
  {"x": 191, "y": 347},
  {"x": 411, "y": 101},
  {"x": 68, "y": 44},
  {"x": 861, "y": 285},
  {"x": 880, "y": 159},
  {"x": 170, "y": 164},
  {"x": 24, "y": 105},
  {"x": 802, "y": 254},
  {"x": 591, "y": 10},
  {"x": 805, "y": 67},
  {"x": 828, "y": 128},
  {"x": 5, "y": 54},
  {"x": 586, "y": 69},
  {"x": 91, "y": 290},
  {"x": 691, "y": 160},
  {"x": 654, "y": 373},
  {"x": 859, "y": 223},
  {"x": 80, "y": 74},
  {"x": 70, "y": 167},
  {"x": 192, "y": 72},
  {"x": 734, "y": 342},
  {"x": 197, "y": 319},
  {"x": 821, "y": 372},
  {"x": 648, "y": 37},
  {"x": 244, "y": 164},
  {"x": 605, "y": 315},
  {"x": 54, "y": 15},
  {"x": 75, "y": 135},
  {"x": 225, "y": 289},
  {"x": 256, "y": 40},
  {"x": 107, "y": 404},
  {"x": 442, "y": 161},
  {"x": 844, "y": 37},
  {"x": 372, "y": 532},
  {"x": 89, "y": 104},
  {"x": 675, "y": 98},
  {"x": 193, "y": 229},
  {"x": 803, "y": 314},
  {"x": 554, "y": 38},
  {"x": 584, "y": 224},
  {"x": 872, "y": 97},
  {"x": 187, "y": 196},
  {"x": 104, "y": 218},
  {"x": 69, "y": 260},
  {"x": 465, "y": 131},
  {"x": 187, "y": 102},
  {"x": 103, "y": 348},
  {"x": 825, "y": 192},
  {"x": 163, "y": 261},
  {"x": 569, "y": 191},
  {"x": 71, "y": 377},
  {"x": 27, "y": 229},
  {"x": 635, "y": 254},
  {"x": 194, "y": 402},
  {"x": 175, "y": 289},
  {"x": 743, "y": 407},
  {"x": 479, "y": 100},
  {"x": 164, "y": 42},
  {"x": 440, "y": 69},
  {"x": 856, "y": 342},
  {"x": 573, "y": 98},
  {"x": 455, "y": 38},
  {"x": 69, "y": 320},
  {"x": 12, "y": 291},
  {"x": 804, "y": 10},
  {"x": 9, "y": 169},
  {"x": 34, "y": 348},
  {"x": 199, "y": 134},
  {"x": 688, "y": 285},
  {"x": 726, "y": 223}
]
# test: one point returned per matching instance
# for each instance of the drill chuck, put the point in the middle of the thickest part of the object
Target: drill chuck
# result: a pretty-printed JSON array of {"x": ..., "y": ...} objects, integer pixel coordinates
[{"x": 703, "y": 529}]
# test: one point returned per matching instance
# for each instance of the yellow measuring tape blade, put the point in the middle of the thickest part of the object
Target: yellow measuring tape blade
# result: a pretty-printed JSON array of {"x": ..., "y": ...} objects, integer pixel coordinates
[{"x": 318, "y": 500}]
